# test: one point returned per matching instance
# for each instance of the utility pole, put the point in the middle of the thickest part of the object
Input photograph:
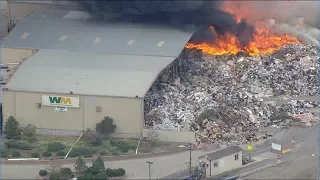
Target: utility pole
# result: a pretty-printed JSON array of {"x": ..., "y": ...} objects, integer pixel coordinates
[
  {"x": 190, "y": 148},
  {"x": 149, "y": 169}
]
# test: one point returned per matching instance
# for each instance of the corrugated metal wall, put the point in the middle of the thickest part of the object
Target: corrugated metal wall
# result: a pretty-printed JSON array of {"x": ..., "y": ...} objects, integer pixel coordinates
[
  {"x": 13, "y": 55},
  {"x": 126, "y": 112}
]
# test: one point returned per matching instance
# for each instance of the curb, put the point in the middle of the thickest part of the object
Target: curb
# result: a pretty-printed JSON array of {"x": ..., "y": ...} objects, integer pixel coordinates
[
  {"x": 105, "y": 158},
  {"x": 247, "y": 173}
]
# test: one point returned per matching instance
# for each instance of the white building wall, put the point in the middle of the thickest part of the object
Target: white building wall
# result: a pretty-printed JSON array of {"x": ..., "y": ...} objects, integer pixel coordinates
[{"x": 224, "y": 164}]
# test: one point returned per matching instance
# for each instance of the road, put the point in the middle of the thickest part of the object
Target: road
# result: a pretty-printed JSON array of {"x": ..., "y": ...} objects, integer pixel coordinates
[
  {"x": 300, "y": 164},
  {"x": 136, "y": 168}
]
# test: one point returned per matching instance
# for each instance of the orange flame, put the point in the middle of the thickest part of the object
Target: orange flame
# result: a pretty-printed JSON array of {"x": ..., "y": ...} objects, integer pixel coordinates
[{"x": 264, "y": 41}]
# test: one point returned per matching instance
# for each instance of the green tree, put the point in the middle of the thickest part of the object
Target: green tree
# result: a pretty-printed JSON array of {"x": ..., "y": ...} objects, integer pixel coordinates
[
  {"x": 97, "y": 166},
  {"x": 29, "y": 130},
  {"x": 86, "y": 176},
  {"x": 101, "y": 176},
  {"x": 12, "y": 128},
  {"x": 106, "y": 126},
  {"x": 80, "y": 165},
  {"x": 93, "y": 137}
]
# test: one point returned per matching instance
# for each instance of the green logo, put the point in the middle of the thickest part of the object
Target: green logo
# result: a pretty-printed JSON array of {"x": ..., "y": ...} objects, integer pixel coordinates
[{"x": 60, "y": 100}]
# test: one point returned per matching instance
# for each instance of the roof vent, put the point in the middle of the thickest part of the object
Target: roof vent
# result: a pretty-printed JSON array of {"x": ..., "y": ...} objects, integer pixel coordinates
[
  {"x": 62, "y": 38},
  {"x": 97, "y": 40},
  {"x": 160, "y": 43},
  {"x": 131, "y": 41},
  {"x": 24, "y": 35}
]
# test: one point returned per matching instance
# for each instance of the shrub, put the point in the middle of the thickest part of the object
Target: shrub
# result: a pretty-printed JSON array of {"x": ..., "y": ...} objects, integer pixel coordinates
[
  {"x": 106, "y": 126},
  {"x": 18, "y": 145},
  {"x": 80, "y": 165},
  {"x": 80, "y": 151},
  {"x": 29, "y": 139},
  {"x": 103, "y": 153},
  {"x": 65, "y": 173},
  {"x": 109, "y": 172},
  {"x": 46, "y": 154},
  {"x": 4, "y": 155},
  {"x": 43, "y": 172},
  {"x": 115, "y": 172},
  {"x": 35, "y": 155},
  {"x": 86, "y": 176},
  {"x": 55, "y": 146},
  {"x": 122, "y": 146},
  {"x": 98, "y": 164},
  {"x": 29, "y": 130},
  {"x": 12, "y": 128},
  {"x": 115, "y": 153},
  {"x": 61, "y": 153},
  {"x": 54, "y": 176},
  {"x": 87, "y": 155},
  {"x": 101, "y": 176},
  {"x": 93, "y": 138},
  {"x": 15, "y": 154},
  {"x": 121, "y": 172}
]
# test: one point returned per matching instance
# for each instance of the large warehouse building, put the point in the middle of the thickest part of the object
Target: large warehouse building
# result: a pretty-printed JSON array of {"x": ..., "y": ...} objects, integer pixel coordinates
[{"x": 74, "y": 71}]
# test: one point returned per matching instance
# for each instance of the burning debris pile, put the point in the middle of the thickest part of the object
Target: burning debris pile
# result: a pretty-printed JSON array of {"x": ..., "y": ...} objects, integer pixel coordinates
[{"x": 221, "y": 97}]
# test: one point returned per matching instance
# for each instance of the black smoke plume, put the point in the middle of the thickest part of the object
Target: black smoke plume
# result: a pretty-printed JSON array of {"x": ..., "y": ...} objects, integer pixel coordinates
[{"x": 199, "y": 14}]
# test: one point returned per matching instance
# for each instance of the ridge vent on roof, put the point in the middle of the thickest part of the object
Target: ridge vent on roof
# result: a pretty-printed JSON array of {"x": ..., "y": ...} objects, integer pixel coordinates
[
  {"x": 24, "y": 35},
  {"x": 62, "y": 38},
  {"x": 160, "y": 43},
  {"x": 131, "y": 41}
]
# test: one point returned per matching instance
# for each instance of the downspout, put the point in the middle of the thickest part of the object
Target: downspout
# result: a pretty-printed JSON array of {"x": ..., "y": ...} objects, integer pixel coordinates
[
  {"x": 73, "y": 145},
  {"x": 83, "y": 108},
  {"x": 137, "y": 149}
]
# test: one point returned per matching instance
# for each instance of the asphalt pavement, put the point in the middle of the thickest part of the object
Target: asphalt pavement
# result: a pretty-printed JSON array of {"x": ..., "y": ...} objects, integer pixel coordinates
[
  {"x": 135, "y": 168},
  {"x": 301, "y": 163}
]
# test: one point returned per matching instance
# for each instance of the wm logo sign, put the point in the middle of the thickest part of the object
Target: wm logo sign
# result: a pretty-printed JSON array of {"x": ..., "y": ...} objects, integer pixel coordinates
[{"x": 60, "y": 100}]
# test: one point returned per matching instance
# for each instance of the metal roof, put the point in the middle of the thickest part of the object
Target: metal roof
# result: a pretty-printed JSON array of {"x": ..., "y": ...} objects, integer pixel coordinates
[
  {"x": 224, "y": 152},
  {"x": 53, "y": 71},
  {"x": 75, "y": 31}
]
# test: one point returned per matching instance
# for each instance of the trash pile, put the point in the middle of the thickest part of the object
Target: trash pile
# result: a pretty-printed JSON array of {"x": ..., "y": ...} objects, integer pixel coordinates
[{"x": 221, "y": 97}]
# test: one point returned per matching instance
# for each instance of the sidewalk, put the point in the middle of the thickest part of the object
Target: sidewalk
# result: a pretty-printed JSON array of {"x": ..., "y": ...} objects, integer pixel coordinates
[{"x": 243, "y": 169}]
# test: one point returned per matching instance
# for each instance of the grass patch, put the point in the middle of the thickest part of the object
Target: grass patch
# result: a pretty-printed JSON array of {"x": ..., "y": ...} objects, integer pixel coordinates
[{"x": 59, "y": 145}]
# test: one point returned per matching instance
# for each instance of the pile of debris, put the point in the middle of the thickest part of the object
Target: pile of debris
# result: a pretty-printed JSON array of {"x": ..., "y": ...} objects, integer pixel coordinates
[{"x": 221, "y": 97}]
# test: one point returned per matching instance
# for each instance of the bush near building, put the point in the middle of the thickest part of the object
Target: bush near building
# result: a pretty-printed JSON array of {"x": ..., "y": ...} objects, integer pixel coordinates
[
  {"x": 35, "y": 155},
  {"x": 106, "y": 126},
  {"x": 98, "y": 171},
  {"x": 24, "y": 139},
  {"x": 15, "y": 154},
  {"x": 16, "y": 144},
  {"x": 61, "y": 153},
  {"x": 12, "y": 128},
  {"x": 55, "y": 146},
  {"x": 46, "y": 154},
  {"x": 43, "y": 172}
]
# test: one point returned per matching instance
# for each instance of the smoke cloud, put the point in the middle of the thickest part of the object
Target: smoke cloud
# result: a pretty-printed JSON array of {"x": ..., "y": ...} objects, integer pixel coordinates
[{"x": 198, "y": 14}]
